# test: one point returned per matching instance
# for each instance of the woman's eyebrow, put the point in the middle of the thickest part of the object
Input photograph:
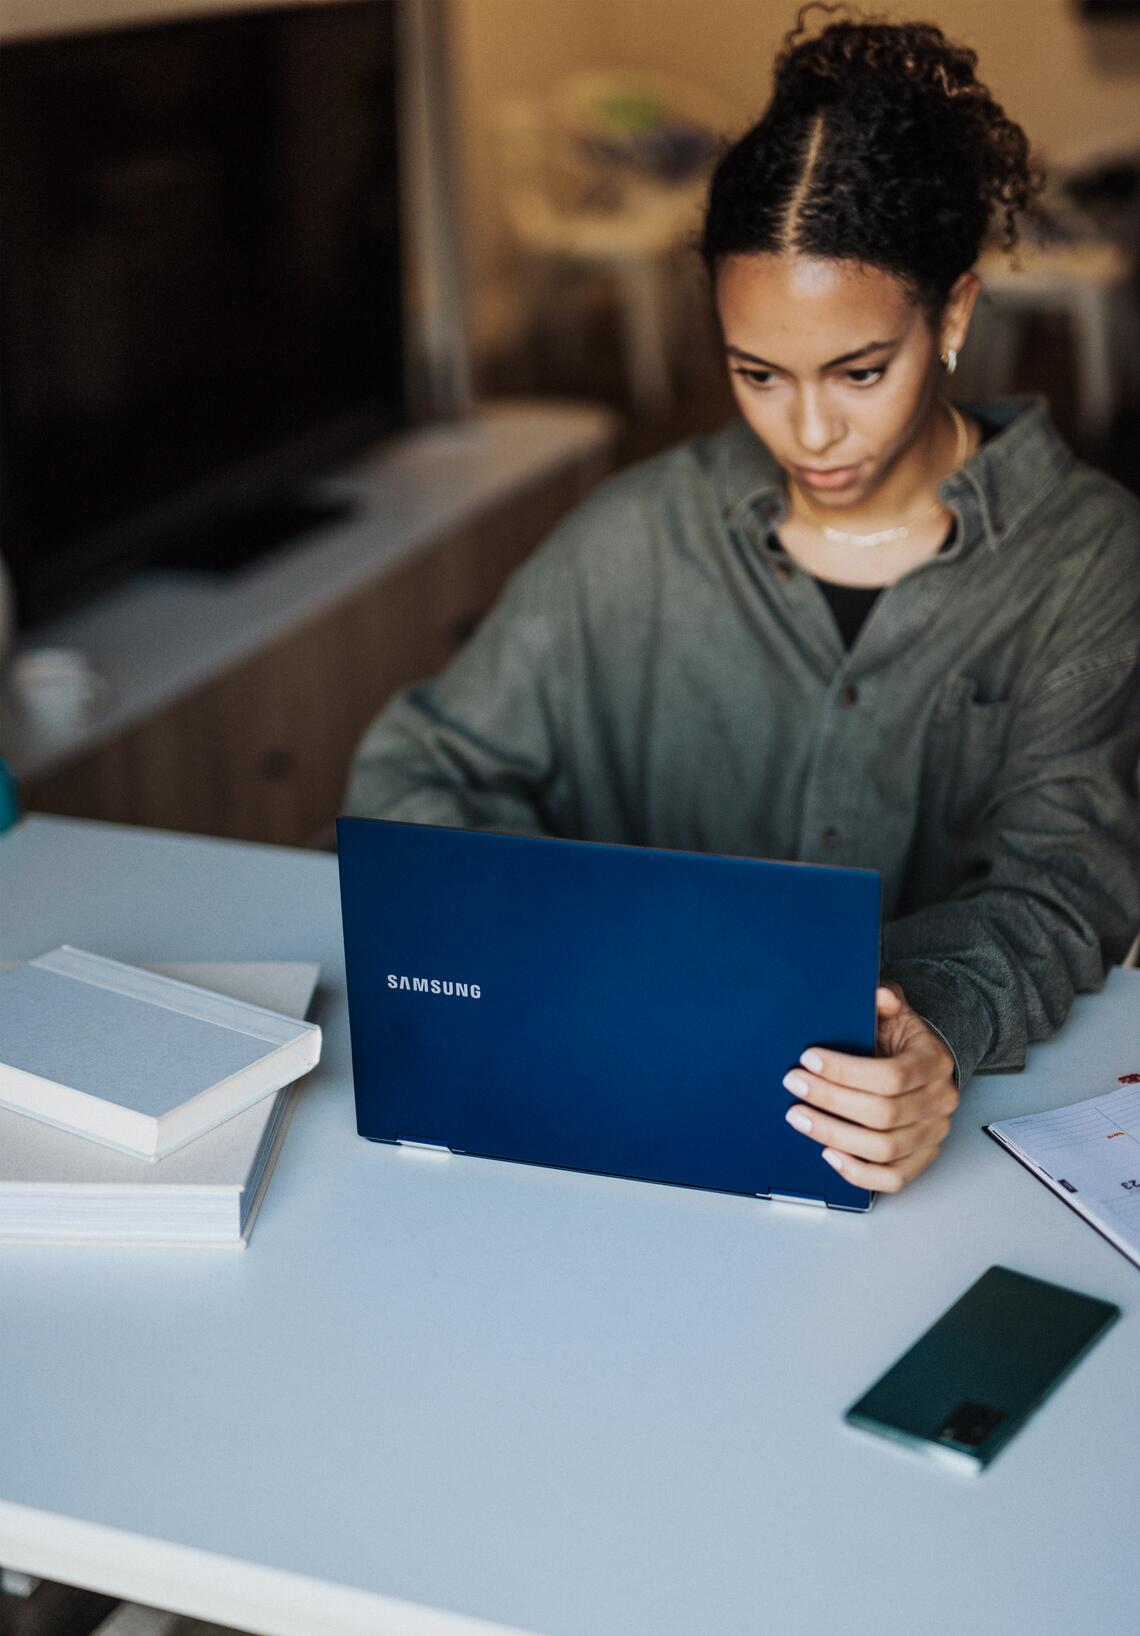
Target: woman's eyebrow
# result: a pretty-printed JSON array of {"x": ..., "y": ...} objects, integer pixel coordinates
[{"x": 832, "y": 363}]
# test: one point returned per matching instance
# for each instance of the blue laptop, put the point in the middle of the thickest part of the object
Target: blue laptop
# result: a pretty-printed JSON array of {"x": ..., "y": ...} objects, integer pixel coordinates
[{"x": 622, "y": 1010}]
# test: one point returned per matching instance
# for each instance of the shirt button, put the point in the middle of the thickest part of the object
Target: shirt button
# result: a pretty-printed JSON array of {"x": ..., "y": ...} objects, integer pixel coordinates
[
  {"x": 829, "y": 834},
  {"x": 849, "y": 695}
]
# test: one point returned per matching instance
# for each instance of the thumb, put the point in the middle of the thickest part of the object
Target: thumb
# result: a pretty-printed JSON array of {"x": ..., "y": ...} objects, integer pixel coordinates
[{"x": 888, "y": 1001}]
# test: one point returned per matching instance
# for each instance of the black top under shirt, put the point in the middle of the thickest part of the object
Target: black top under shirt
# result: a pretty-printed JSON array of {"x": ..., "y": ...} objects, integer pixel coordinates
[{"x": 851, "y": 604}]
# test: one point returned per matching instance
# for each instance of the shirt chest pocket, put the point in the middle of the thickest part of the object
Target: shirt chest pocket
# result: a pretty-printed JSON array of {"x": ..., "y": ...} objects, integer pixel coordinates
[{"x": 967, "y": 743}]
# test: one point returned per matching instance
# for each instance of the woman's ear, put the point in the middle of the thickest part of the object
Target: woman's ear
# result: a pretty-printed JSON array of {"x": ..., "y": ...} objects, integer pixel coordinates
[{"x": 954, "y": 324}]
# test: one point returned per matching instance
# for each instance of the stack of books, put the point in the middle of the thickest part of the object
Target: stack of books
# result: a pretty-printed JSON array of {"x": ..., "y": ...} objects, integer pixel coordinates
[{"x": 146, "y": 1105}]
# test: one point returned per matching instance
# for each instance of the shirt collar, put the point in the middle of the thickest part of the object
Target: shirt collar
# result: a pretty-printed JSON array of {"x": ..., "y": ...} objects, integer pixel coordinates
[{"x": 991, "y": 491}]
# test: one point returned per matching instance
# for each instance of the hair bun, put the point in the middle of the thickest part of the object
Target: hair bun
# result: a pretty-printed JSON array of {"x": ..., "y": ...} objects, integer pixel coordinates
[
  {"x": 881, "y": 146},
  {"x": 915, "y": 56},
  {"x": 912, "y": 73}
]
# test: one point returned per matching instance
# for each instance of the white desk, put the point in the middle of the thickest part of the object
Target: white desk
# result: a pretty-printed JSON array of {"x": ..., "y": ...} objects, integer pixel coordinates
[{"x": 435, "y": 1393}]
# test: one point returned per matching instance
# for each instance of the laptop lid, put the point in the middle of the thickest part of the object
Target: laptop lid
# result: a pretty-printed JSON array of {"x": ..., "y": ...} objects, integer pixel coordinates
[{"x": 622, "y": 1010}]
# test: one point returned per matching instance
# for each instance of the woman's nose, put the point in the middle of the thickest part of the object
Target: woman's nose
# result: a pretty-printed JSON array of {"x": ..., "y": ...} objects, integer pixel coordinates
[{"x": 816, "y": 429}]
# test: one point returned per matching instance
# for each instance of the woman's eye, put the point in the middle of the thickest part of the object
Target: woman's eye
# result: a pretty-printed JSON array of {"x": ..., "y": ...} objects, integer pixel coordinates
[
  {"x": 866, "y": 377},
  {"x": 756, "y": 377}
]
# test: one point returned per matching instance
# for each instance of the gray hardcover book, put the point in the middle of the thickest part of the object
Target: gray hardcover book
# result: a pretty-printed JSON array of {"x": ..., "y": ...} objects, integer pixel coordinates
[
  {"x": 58, "y": 1187},
  {"x": 135, "y": 1060}
]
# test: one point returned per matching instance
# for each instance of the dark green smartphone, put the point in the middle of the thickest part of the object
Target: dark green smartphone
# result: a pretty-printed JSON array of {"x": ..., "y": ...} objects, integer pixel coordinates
[{"x": 975, "y": 1377}]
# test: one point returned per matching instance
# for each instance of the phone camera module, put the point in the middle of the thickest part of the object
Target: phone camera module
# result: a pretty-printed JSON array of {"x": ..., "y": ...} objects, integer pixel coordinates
[{"x": 970, "y": 1425}]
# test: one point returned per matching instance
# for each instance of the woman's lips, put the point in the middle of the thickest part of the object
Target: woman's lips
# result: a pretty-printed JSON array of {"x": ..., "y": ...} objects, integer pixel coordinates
[{"x": 839, "y": 477}]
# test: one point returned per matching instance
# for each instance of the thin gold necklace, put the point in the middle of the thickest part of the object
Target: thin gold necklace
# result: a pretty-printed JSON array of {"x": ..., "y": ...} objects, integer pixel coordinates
[{"x": 840, "y": 536}]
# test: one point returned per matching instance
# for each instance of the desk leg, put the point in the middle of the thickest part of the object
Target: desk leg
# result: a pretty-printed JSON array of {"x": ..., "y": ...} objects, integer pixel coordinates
[
  {"x": 1091, "y": 318},
  {"x": 40, "y": 1608}
]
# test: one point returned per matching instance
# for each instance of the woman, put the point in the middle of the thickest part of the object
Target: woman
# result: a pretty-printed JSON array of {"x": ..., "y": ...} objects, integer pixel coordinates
[{"x": 858, "y": 626}]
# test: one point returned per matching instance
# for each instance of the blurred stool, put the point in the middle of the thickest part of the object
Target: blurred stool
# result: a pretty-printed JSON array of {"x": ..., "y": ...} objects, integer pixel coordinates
[
  {"x": 1088, "y": 282},
  {"x": 608, "y": 175}
]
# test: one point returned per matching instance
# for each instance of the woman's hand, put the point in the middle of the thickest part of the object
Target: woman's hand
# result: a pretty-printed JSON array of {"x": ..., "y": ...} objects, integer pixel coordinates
[{"x": 881, "y": 1119}]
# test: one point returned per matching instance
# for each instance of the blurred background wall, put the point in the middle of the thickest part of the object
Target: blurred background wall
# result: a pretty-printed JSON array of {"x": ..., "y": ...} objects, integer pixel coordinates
[
  {"x": 1074, "y": 84},
  {"x": 1071, "y": 79}
]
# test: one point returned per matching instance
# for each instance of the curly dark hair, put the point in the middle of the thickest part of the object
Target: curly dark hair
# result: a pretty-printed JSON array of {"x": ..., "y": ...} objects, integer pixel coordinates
[{"x": 879, "y": 145}]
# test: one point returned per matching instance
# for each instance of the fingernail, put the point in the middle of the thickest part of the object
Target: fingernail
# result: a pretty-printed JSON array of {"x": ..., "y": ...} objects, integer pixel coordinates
[
  {"x": 798, "y": 1119},
  {"x": 796, "y": 1083},
  {"x": 812, "y": 1061},
  {"x": 833, "y": 1159}
]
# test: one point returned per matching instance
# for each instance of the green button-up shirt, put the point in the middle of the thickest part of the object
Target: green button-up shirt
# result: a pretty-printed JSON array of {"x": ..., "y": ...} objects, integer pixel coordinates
[{"x": 661, "y": 673}]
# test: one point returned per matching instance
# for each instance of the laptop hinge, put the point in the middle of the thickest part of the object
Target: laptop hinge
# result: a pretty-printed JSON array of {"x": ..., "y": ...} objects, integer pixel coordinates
[
  {"x": 423, "y": 1147},
  {"x": 796, "y": 1198}
]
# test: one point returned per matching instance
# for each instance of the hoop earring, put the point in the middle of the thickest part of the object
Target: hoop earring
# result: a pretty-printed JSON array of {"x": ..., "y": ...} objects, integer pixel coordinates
[{"x": 949, "y": 360}]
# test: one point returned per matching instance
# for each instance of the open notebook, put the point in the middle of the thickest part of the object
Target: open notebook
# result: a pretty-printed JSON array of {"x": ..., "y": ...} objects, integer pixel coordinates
[{"x": 1089, "y": 1154}]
